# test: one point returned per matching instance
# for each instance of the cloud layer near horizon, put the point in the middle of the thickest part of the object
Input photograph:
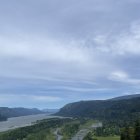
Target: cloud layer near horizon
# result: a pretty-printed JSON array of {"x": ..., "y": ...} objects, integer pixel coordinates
[{"x": 68, "y": 50}]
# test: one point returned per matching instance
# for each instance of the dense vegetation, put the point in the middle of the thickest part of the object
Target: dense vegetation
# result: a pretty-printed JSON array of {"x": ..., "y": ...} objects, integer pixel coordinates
[
  {"x": 118, "y": 118},
  {"x": 70, "y": 129},
  {"x": 116, "y": 115},
  {"x": 108, "y": 130},
  {"x": 128, "y": 132},
  {"x": 131, "y": 132},
  {"x": 16, "y": 112},
  {"x": 113, "y": 110},
  {"x": 89, "y": 136},
  {"x": 44, "y": 130}
]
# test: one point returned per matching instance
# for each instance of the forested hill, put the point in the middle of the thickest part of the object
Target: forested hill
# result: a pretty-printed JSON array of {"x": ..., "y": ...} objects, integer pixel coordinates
[
  {"x": 126, "y": 97},
  {"x": 3, "y": 118},
  {"x": 103, "y": 109},
  {"x": 6, "y": 112}
]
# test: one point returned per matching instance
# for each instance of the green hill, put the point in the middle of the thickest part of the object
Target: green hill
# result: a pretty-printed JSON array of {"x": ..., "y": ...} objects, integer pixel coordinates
[
  {"x": 6, "y": 112},
  {"x": 103, "y": 109}
]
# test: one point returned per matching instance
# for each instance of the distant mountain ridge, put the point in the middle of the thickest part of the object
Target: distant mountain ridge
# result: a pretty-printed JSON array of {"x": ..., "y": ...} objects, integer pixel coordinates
[
  {"x": 16, "y": 112},
  {"x": 120, "y": 108},
  {"x": 50, "y": 110},
  {"x": 126, "y": 97}
]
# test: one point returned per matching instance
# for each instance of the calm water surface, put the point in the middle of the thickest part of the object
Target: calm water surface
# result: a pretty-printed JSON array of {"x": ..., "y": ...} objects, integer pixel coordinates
[{"x": 17, "y": 122}]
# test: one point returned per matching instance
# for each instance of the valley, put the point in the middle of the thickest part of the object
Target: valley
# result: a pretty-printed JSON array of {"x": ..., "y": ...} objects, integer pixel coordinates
[
  {"x": 86, "y": 120},
  {"x": 22, "y": 121}
]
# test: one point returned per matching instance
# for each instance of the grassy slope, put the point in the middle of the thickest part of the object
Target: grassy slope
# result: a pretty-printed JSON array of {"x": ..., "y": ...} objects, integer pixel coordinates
[{"x": 108, "y": 138}]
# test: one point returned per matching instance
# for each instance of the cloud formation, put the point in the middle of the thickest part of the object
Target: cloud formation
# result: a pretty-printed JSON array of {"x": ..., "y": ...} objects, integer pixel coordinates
[
  {"x": 68, "y": 50},
  {"x": 124, "y": 43}
]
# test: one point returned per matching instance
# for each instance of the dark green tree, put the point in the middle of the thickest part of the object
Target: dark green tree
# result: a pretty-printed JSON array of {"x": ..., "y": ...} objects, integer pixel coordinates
[{"x": 137, "y": 130}]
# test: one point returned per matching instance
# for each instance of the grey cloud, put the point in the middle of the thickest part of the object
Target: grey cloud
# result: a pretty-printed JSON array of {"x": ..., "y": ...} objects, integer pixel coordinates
[
  {"x": 67, "y": 18},
  {"x": 95, "y": 42}
]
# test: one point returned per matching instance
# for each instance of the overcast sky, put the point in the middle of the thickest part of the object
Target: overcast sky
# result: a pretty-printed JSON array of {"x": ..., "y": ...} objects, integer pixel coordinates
[{"x": 53, "y": 52}]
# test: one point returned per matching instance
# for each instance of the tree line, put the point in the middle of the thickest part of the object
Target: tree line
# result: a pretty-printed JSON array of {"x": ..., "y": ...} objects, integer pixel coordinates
[{"x": 131, "y": 133}]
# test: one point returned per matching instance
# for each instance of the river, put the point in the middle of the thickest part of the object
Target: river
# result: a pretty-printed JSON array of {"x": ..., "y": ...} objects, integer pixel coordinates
[{"x": 22, "y": 121}]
